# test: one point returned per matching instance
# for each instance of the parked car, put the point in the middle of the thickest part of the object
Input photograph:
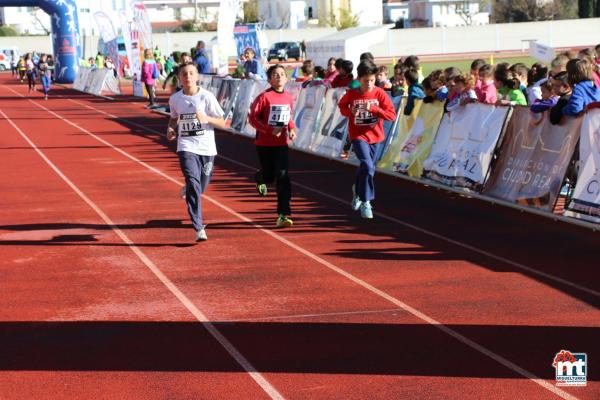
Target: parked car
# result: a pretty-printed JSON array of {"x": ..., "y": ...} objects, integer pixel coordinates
[
  {"x": 5, "y": 57},
  {"x": 284, "y": 50}
]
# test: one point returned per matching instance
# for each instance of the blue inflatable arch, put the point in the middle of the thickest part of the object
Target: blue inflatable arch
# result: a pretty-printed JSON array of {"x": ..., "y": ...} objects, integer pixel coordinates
[{"x": 65, "y": 34}]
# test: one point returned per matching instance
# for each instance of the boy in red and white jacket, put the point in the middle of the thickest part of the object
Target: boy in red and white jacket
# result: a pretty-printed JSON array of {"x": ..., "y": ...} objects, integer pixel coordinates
[
  {"x": 366, "y": 107},
  {"x": 271, "y": 116}
]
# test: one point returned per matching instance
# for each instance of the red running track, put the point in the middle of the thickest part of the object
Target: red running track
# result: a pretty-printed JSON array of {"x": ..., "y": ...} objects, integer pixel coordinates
[{"x": 104, "y": 294}]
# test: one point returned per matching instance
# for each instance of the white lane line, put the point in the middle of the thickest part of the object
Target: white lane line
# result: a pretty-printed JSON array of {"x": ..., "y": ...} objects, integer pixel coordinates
[
  {"x": 318, "y": 315},
  {"x": 389, "y": 218},
  {"x": 187, "y": 303},
  {"x": 461, "y": 338}
]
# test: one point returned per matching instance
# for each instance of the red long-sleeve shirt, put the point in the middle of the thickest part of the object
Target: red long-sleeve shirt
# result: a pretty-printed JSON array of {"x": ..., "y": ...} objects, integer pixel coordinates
[
  {"x": 368, "y": 124},
  {"x": 270, "y": 110}
]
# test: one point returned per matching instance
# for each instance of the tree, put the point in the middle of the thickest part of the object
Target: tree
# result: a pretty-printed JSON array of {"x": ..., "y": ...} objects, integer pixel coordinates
[
  {"x": 523, "y": 10},
  {"x": 250, "y": 11},
  {"x": 345, "y": 21},
  {"x": 6, "y": 30},
  {"x": 586, "y": 8}
]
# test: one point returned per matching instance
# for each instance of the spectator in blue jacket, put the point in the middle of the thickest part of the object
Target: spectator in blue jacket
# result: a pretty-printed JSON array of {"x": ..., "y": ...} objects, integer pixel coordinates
[
  {"x": 585, "y": 91},
  {"x": 548, "y": 98},
  {"x": 201, "y": 58},
  {"x": 415, "y": 90}
]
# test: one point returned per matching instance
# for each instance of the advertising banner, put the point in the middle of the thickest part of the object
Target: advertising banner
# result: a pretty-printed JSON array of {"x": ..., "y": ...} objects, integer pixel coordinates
[
  {"x": 306, "y": 115},
  {"x": 333, "y": 126},
  {"x": 465, "y": 144},
  {"x": 404, "y": 125},
  {"x": 416, "y": 145},
  {"x": 533, "y": 159},
  {"x": 585, "y": 202},
  {"x": 227, "y": 96},
  {"x": 245, "y": 37}
]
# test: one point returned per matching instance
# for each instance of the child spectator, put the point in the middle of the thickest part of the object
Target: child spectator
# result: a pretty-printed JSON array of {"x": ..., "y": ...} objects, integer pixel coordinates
[
  {"x": 487, "y": 91},
  {"x": 319, "y": 73},
  {"x": 382, "y": 80},
  {"x": 580, "y": 76},
  {"x": 429, "y": 90},
  {"x": 367, "y": 56},
  {"x": 508, "y": 87},
  {"x": 475, "y": 66},
  {"x": 548, "y": 98},
  {"x": 449, "y": 74},
  {"x": 521, "y": 71},
  {"x": 562, "y": 88},
  {"x": 538, "y": 74},
  {"x": 398, "y": 81},
  {"x": 344, "y": 77},
  {"x": 308, "y": 70},
  {"x": 252, "y": 69},
  {"x": 366, "y": 108},
  {"x": 271, "y": 115},
  {"x": 463, "y": 87},
  {"x": 332, "y": 70},
  {"x": 149, "y": 76},
  {"x": 559, "y": 64},
  {"x": 590, "y": 55},
  {"x": 438, "y": 84},
  {"x": 412, "y": 62},
  {"x": 415, "y": 90}
]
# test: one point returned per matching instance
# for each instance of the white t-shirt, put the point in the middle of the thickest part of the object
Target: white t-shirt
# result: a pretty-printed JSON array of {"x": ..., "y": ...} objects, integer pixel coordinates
[{"x": 192, "y": 136}]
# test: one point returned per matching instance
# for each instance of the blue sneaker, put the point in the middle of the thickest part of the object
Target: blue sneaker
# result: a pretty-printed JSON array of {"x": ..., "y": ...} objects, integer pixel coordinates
[
  {"x": 355, "y": 200},
  {"x": 366, "y": 211}
]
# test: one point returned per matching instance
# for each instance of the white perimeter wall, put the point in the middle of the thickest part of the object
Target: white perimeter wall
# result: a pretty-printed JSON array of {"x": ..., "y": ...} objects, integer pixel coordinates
[{"x": 397, "y": 42}]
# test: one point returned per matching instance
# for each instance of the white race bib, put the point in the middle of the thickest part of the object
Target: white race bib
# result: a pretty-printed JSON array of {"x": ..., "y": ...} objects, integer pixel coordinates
[
  {"x": 365, "y": 117},
  {"x": 279, "y": 115},
  {"x": 189, "y": 125}
]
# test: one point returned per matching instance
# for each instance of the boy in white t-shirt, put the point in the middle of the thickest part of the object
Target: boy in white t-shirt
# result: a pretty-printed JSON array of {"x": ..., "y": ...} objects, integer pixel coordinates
[{"x": 195, "y": 112}]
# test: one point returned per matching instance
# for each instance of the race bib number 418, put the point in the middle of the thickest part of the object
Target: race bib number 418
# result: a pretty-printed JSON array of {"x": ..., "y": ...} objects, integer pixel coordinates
[{"x": 279, "y": 115}]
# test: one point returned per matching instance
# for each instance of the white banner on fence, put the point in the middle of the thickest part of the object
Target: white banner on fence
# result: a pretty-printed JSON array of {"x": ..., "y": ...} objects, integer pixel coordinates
[
  {"x": 205, "y": 81},
  {"x": 332, "y": 127},
  {"x": 585, "y": 202},
  {"x": 215, "y": 85},
  {"x": 294, "y": 89},
  {"x": 95, "y": 81},
  {"x": 249, "y": 90},
  {"x": 306, "y": 115},
  {"x": 464, "y": 145},
  {"x": 257, "y": 88},
  {"x": 227, "y": 96},
  {"x": 81, "y": 79}
]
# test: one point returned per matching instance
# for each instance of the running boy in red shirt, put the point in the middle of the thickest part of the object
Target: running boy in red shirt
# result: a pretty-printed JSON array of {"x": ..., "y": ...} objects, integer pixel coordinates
[
  {"x": 271, "y": 115},
  {"x": 366, "y": 107}
]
